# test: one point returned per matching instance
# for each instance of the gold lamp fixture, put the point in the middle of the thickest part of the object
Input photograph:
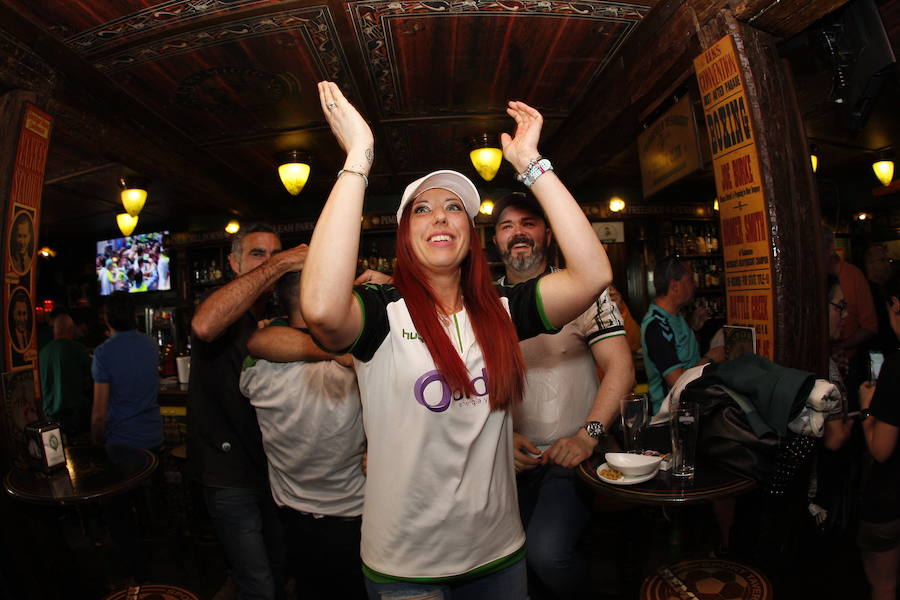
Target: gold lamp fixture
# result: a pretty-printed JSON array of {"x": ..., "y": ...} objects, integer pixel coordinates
[
  {"x": 126, "y": 223},
  {"x": 884, "y": 168},
  {"x": 133, "y": 194},
  {"x": 486, "y": 156},
  {"x": 233, "y": 227},
  {"x": 616, "y": 204},
  {"x": 814, "y": 156},
  {"x": 293, "y": 169},
  {"x": 487, "y": 207}
]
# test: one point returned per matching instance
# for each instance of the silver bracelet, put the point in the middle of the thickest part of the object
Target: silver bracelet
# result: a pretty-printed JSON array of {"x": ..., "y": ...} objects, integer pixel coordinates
[
  {"x": 535, "y": 169},
  {"x": 360, "y": 173}
]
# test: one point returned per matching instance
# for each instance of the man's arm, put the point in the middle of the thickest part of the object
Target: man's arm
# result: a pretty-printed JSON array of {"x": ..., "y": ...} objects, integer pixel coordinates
[
  {"x": 98, "y": 412},
  {"x": 614, "y": 357},
  {"x": 228, "y": 303},
  {"x": 285, "y": 344}
]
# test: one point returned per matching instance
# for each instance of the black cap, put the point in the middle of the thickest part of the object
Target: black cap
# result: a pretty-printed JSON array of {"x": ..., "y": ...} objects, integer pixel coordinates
[{"x": 518, "y": 200}]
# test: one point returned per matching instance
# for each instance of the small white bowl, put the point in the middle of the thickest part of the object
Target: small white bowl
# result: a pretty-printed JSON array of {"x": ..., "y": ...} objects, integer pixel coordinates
[{"x": 632, "y": 465}]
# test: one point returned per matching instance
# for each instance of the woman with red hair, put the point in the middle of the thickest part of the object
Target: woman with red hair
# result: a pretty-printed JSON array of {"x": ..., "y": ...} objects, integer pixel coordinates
[{"x": 438, "y": 362}]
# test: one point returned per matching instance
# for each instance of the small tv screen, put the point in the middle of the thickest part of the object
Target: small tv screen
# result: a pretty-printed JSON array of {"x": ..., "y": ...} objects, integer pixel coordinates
[{"x": 137, "y": 263}]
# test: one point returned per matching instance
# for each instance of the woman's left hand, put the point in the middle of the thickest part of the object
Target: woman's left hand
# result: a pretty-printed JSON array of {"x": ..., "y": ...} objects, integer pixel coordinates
[
  {"x": 866, "y": 391},
  {"x": 522, "y": 149},
  {"x": 350, "y": 129}
]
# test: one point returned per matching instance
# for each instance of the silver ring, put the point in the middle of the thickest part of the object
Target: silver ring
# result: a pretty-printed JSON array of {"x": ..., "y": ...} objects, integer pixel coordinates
[{"x": 331, "y": 105}]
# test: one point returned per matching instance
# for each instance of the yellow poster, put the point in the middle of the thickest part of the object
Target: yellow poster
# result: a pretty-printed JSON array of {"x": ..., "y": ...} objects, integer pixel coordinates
[{"x": 744, "y": 223}]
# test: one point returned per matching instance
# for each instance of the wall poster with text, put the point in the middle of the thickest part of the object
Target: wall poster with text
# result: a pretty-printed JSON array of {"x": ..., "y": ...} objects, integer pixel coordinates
[{"x": 744, "y": 224}]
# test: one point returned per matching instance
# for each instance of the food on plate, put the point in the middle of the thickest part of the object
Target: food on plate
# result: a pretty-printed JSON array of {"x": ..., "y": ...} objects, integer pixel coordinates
[{"x": 611, "y": 474}]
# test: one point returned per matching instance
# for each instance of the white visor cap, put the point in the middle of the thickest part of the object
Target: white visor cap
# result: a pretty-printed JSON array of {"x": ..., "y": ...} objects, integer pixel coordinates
[{"x": 451, "y": 181}]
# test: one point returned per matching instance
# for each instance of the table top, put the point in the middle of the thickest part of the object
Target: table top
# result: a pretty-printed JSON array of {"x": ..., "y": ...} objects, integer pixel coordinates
[
  {"x": 90, "y": 472},
  {"x": 708, "y": 483}
]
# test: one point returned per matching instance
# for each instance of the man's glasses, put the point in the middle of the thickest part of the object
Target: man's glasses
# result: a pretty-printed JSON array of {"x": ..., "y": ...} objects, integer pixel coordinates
[{"x": 840, "y": 306}]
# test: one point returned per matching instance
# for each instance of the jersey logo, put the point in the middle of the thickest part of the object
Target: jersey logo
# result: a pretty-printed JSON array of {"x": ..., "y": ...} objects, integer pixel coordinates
[
  {"x": 411, "y": 335},
  {"x": 433, "y": 378}
]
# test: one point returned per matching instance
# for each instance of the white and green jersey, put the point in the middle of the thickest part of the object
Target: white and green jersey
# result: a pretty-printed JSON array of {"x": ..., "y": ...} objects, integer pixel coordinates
[
  {"x": 441, "y": 496},
  {"x": 562, "y": 380},
  {"x": 310, "y": 418}
]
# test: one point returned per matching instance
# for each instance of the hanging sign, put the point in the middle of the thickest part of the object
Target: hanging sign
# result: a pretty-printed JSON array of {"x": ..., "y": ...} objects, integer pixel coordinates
[
  {"x": 668, "y": 149},
  {"x": 744, "y": 223}
]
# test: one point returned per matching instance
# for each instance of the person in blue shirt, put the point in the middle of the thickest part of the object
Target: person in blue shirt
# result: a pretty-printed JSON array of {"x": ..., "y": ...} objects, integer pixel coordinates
[
  {"x": 125, "y": 413},
  {"x": 126, "y": 380}
]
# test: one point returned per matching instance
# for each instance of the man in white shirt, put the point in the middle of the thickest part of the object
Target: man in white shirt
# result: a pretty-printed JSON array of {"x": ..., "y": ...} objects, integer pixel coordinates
[
  {"x": 566, "y": 408},
  {"x": 310, "y": 416}
]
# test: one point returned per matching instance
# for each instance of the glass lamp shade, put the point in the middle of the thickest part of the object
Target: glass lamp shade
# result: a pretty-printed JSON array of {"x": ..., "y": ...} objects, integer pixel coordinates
[
  {"x": 126, "y": 223},
  {"x": 486, "y": 208},
  {"x": 133, "y": 200},
  {"x": 293, "y": 176},
  {"x": 815, "y": 161},
  {"x": 616, "y": 204},
  {"x": 486, "y": 161},
  {"x": 884, "y": 171},
  {"x": 233, "y": 226}
]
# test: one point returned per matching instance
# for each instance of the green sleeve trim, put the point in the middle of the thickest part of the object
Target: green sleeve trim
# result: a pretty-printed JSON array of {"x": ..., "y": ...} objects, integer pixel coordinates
[
  {"x": 490, "y": 568},
  {"x": 540, "y": 307},
  {"x": 362, "y": 308},
  {"x": 249, "y": 363}
]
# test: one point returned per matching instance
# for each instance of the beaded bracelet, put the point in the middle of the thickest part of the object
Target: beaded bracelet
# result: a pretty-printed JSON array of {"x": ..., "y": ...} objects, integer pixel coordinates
[{"x": 361, "y": 174}]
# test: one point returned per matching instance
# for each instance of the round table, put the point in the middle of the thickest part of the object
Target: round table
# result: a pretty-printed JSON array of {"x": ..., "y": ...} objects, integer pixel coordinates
[
  {"x": 91, "y": 472},
  {"x": 709, "y": 483}
]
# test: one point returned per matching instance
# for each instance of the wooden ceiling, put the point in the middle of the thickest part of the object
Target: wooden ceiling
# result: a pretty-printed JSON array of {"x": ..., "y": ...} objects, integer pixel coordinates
[
  {"x": 234, "y": 82},
  {"x": 200, "y": 95}
]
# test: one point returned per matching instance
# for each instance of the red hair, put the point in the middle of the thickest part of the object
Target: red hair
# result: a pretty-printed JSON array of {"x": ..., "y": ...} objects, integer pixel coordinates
[{"x": 494, "y": 331}]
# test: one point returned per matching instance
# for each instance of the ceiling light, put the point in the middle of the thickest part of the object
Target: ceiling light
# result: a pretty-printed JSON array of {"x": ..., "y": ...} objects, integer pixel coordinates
[
  {"x": 716, "y": 203},
  {"x": 486, "y": 156},
  {"x": 134, "y": 193},
  {"x": 486, "y": 208},
  {"x": 293, "y": 168},
  {"x": 126, "y": 223},
  {"x": 814, "y": 156},
  {"x": 233, "y": 226},
  {"x": 884, "y": 169},
  {"x": 616, "y": 204},
  {"x": 47, "y": 252},
  {"x": 862, "y": 216}
]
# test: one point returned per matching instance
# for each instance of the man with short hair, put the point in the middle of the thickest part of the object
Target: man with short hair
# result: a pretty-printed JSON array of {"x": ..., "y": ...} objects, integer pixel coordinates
[
  {"x": 23, "y": 239},
  {"x": 310, "y": 415},
  {"x": 225, "y": 451},
  {"x": 64, "y": 365},
  {"x": 670, "y": 346},
  {"x": 565, "y": 408}
]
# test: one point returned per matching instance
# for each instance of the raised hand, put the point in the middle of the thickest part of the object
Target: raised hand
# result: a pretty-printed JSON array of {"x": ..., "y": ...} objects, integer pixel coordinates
[
  {"x": 521, "y": 149},
  {"x": 348, "y": 126}
]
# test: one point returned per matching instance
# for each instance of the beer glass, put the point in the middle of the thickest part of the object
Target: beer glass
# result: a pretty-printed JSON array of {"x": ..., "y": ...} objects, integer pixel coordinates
[
  {"x": 635, "y": 415},
  {"x": 685, "y": 421}
]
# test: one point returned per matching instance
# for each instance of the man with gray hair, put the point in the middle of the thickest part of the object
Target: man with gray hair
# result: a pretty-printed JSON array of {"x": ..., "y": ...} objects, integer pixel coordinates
[{"x": 225, "y": 452}]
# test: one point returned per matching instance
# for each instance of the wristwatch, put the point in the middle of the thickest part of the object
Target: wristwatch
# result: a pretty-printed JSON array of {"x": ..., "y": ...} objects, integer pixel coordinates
[
  {"x": 595, "y": 429},
  {"x": 864, "y": 414}
]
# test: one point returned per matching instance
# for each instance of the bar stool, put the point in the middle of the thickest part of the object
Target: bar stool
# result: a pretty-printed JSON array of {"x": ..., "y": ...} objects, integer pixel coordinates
[
  {"x": 156, "y": 591},
  {"x": 706, "y": 579}
]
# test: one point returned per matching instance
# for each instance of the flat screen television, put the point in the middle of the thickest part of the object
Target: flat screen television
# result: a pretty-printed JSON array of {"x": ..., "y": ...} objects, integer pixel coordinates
[{"x": 137, "y": 263}]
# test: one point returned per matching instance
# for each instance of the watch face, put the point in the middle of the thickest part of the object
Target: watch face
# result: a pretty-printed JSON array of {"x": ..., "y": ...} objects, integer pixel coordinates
[{"x": 595, "y": 429}]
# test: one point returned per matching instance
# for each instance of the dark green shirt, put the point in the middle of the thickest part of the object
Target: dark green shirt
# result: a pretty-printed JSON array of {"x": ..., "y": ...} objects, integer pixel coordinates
[{"x": 64, "y": 364}]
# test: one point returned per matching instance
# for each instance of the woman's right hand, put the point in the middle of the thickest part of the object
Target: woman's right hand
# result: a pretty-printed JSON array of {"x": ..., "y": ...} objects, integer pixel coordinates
[{"x": 348, "y": 126}]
